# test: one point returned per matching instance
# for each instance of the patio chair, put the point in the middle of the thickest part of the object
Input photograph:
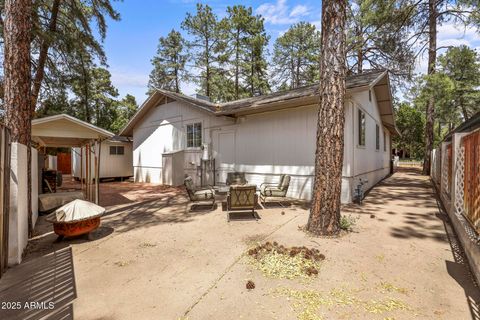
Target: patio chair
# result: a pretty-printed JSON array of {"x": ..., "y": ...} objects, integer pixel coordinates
[
  {"x": 275, "y": 190},
  {"x": 205, "y": 194},
  {"x": 236, "y": 178},
  {"x": 242, "y": 197}
]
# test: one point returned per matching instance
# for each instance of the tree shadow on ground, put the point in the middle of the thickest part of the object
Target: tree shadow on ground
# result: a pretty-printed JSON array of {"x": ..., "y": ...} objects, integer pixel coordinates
[
  {"x": 171, "y": 208},
  {"x": 405, "y": 193},
  {"x": 44, "y": 280},
  {"x": 459, "y": 269}
]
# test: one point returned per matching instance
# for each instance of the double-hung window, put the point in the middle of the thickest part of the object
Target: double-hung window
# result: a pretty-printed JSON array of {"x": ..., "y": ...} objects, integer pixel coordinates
[
  {"x": 361, "y": 128},
  {"x": 384, "y": 141},
  {"x": 194, "y": 135}
]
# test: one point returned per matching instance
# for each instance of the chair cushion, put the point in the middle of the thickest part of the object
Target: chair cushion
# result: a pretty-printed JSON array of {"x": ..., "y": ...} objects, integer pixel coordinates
[
  {"x": 272, "y": 191},
  {"x": 279, "y": 186},
  {"x": 285, "y": 183},
  {"x": 242, "y": 197},
  {"x": 188, "y": 182},
  {"x": 236, "y": 178},
  {"x": 205, "y": 194}
]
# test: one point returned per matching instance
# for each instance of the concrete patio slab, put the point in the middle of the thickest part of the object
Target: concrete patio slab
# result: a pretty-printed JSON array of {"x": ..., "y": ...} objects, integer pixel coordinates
[{"x": 157, "y": 260}]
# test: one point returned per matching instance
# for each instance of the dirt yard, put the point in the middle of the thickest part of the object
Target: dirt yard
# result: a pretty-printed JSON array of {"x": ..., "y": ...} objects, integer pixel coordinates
[{"x": 154, "y": 259}]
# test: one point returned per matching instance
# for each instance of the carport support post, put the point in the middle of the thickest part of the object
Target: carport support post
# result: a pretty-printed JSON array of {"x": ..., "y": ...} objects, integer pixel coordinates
[
  {"x": 87, "y": 171},
  {"x": 98, "y": 145},
  {"x": 81, "y": 168}
]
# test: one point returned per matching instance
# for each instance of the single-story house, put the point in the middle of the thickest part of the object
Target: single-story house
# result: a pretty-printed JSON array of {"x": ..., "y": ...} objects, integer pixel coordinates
[
  {"x": 176, "y": 135},
  {"x": 115, "y": 158}
]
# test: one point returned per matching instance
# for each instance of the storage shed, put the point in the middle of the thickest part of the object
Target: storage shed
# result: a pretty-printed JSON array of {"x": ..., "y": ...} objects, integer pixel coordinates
[{"x": 115, "y": 156}]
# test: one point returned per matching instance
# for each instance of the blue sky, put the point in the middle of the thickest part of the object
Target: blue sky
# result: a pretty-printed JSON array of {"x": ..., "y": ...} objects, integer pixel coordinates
[{"x": 132, "y": 42}]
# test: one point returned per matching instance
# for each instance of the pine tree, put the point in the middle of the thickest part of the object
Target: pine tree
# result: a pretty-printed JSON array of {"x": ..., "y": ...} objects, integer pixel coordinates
[
  {"x": 255, "y": 63},
  {"x": 17, "y": 80},
  {"x": 296, "y": 56},
  {"x": 324, "y": 216},
  {"x": 208, "y": 41},
  {"x": 125, "y": 110},
  {"x": 246, "y": 41},
  {"x": 61, "y": 31},
  {"x": 462, "y": 66},
  {"x": 377, "y": 37},
  {"x": 95, "y": 96},
  {"x": 169, "y": 63},
  {"x": 424, "y": 18}
]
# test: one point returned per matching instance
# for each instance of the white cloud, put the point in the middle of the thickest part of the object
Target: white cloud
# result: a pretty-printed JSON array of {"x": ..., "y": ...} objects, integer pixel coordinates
[
  {"x": 280, "y": 13},
  {"x": 299, "y": 11},
  {"x": 449, "y": 34}
]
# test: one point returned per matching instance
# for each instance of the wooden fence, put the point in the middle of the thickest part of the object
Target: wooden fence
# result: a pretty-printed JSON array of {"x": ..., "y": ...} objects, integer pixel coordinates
[{"x": 471, "y": 181}]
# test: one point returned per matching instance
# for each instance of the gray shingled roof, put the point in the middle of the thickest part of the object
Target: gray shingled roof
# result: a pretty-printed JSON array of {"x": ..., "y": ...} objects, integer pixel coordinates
[
  {"x": 353, "y": 81},
  {"x": 368, "y": 78}
]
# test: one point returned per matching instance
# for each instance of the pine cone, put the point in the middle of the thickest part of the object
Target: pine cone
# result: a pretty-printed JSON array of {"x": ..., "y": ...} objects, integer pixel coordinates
[{"x": 250, "y": 285}]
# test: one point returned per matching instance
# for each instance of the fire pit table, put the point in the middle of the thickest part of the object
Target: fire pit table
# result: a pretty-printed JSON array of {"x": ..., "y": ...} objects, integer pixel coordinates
[{"x": 75, "y": 218}]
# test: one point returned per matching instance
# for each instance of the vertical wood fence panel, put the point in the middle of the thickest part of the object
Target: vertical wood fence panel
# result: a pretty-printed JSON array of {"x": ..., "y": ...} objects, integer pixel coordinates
[{"x": 471, "y": 187}]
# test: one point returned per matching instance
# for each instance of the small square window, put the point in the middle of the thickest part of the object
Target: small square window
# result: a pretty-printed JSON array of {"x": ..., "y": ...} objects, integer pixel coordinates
[
  {"x": 117, "y": 150},
  {"x": 361, "y": 128}
]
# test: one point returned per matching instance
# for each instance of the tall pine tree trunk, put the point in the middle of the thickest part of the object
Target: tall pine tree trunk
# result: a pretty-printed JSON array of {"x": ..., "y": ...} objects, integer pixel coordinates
[
  {"x": 432, "y": 58},
  {"x": 237, "y": 57},
  {"x": 325, "y": 211},
  {"x": 42, "y": 56},
  {"x": 359, "y": 49},
  {"x": 16, "y": 64}
]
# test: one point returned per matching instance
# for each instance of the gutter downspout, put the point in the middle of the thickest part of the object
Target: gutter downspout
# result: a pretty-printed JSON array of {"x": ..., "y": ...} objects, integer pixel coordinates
[{"x": 353, "y": 145}]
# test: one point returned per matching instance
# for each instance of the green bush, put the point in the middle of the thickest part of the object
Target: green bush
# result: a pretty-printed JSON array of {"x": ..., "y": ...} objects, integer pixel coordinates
[{"x": 348, "y": 222}]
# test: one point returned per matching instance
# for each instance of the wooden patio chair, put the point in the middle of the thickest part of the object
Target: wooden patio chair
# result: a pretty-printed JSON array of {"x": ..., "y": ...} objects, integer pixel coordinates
[{"x": 275, "y": 190}]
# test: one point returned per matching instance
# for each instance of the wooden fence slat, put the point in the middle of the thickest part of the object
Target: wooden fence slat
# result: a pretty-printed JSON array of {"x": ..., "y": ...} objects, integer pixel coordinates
[{"x": 471, "y": 187}]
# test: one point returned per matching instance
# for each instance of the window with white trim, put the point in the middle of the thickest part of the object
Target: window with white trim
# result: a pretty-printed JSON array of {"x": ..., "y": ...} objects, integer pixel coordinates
[
  {"x": 194, "y": 135},
  {"x": 384, "y": 141},
  {"x": 117, "y": 150},
  {"x": 361, "y": 127}
]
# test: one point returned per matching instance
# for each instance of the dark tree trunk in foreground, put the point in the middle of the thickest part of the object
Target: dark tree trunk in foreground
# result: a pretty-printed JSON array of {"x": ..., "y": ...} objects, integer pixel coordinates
[
  {"x": 325, "y": 211},
  {"x": 432, "y": 58},
  {"x": 16, "y": 64}
]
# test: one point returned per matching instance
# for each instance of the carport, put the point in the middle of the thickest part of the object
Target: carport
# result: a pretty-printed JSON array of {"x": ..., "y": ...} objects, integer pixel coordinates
[{"x": 66, "y": 131}]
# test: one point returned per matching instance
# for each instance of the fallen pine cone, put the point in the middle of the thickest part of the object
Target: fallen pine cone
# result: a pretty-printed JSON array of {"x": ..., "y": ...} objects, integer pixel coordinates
[
  {"x": 250, "y": 285},
  {"x": 372, "y": 216}
]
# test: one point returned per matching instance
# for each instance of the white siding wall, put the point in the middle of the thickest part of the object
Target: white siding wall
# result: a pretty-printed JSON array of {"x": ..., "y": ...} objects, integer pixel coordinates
[
  {"x": 268, "y": 144},
  {"x": 368, "y": 162},
  {"x": 262, "y": 145},
  {"x": 162, "y": 130},
  {"x": 111, "y": 166}
]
